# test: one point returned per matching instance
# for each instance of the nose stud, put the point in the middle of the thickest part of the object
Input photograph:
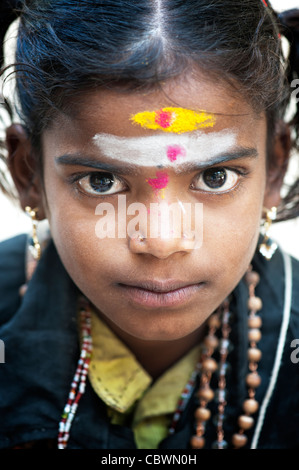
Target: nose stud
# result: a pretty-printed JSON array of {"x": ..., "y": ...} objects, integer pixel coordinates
[{"x": 141, "y": 239}]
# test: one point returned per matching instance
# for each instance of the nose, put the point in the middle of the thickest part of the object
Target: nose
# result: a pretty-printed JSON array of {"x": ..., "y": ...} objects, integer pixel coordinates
[
  {"x": 165, "y": 233},
  {"x": 160, "y": 247}
]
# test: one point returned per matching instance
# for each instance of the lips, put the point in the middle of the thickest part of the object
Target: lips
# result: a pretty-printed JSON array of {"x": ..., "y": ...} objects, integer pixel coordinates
[{"x": 165, "y": 293}]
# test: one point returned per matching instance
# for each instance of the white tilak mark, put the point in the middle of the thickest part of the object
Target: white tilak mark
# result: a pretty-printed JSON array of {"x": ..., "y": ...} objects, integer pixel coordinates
[{"x": 152, "y": 150}]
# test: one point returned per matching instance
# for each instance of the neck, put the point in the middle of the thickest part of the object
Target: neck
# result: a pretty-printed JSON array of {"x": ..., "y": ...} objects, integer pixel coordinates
[{"x": 158, "y": 356}]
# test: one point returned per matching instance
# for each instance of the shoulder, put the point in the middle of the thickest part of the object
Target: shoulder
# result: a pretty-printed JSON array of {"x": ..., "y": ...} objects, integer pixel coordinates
[
  {"x": 279, "y": 285},
  {"x": 12, "y": 246},
  {"x": 12, "y": 274},
  {"x": 288, "y": 274},
  {"x": 279, "y": 273},
  {"x": 295, "y": 270},
  {"x": 294, "y": 320},
  {"x": 291, "y": 279}
]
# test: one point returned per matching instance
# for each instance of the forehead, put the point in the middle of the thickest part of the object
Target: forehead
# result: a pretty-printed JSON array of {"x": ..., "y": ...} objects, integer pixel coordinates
[{"x": 123, "y": 113}]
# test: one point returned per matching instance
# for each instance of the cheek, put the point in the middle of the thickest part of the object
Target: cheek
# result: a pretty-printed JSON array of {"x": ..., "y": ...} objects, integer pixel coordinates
[
  {"x": 74, "y": 231},
  {"x": 88, "y": 260},
  {"x": 231, "y": 236}
]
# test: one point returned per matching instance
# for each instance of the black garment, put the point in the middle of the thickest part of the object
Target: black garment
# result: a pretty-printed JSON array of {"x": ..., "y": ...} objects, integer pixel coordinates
[{"x": 41, "y": 353}]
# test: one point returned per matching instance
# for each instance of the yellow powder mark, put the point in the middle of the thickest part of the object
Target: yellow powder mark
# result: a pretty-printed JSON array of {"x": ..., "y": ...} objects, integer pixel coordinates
[
  {"x": 162, "y": 193},
  {"x": 176, "y": 120}
]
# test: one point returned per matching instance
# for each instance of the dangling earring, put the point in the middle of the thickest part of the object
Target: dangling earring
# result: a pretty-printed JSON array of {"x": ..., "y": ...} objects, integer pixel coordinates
[
  {"x": 33, "y": 252},
  {"x": 268, "y": 247},
  {"x": 35, "y": 247}
]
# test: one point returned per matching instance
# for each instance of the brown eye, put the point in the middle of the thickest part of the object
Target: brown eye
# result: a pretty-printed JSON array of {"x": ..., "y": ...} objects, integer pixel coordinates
[
  {"x": 215, "y": 180},
  {"x": 101, "y": 183}
]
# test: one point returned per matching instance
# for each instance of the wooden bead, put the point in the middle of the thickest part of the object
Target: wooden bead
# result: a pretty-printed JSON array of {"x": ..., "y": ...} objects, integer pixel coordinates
[
  {"x": 250, "y": 406},
  {"x": 253, "y": 380},
  {"x": 254, "y": 335},
  {"x": 23, "y": 290},
  {"x": 245, "y": 422},
  {"x": 254, "y": 354},
  {"x": 255, "y": 303},
  {"x": 206, "y": 394},
  {"x": 209, "y": 365},
  {"x": 255, "y": 321},
  {"x": 202, "y": 414},
  {"x": 214, "y": 321},
  {"x": 197, "y": 442},
  {"x": 252, "y": 278},
  {"x": 211, "y": 341},
  {"x": 239, "y": 440}
]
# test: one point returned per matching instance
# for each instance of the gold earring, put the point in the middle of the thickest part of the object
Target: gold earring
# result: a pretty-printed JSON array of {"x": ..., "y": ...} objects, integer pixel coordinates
[
  {"x": 35, "y": 247},
  {"x": 268, "y": 247}
]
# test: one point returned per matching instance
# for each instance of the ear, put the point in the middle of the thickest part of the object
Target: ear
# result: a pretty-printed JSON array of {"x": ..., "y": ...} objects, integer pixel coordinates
[
  {"x": 24, "y": 169},
  {"x": 278, "y": 164}
]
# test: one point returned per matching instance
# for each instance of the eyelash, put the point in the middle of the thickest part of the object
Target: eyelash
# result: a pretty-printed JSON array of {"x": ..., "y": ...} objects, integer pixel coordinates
[
  {"x": 76, "y": 178},
  {"x": 241, "y": 173}
]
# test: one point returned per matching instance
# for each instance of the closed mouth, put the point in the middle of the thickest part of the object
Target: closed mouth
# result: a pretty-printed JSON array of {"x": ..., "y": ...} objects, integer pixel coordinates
[{"x": 160, "y": 293}]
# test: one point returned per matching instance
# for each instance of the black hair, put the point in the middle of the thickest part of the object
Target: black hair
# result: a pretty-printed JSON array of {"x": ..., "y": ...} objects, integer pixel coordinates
[{"x": 67, "y": 47}]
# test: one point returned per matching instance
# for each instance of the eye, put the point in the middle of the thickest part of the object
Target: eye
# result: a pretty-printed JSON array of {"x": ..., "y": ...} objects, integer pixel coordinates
[
  {"x": 101, "y": 183},
  {"x": 216, "y": 180}
]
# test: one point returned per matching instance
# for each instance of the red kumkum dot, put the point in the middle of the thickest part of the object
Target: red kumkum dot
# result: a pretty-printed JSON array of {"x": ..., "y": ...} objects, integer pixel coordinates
[
  {"x": 160, "y": 182},
  {"x": 163, "y": 119},
  {"x": 174, "y": 151}
]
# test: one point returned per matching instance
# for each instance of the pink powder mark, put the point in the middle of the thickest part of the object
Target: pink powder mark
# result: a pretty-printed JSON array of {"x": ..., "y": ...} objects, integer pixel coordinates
[
  {"x": 160, "y": 182},
  {"x": 175, "y": 151},
  {"x": 163, "y": 119}
]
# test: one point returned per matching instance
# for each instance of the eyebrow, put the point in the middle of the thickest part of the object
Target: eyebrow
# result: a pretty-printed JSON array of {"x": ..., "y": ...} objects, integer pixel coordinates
[
  {"x": 237, "y": 154},
  {"x": 78, "y": 159}
]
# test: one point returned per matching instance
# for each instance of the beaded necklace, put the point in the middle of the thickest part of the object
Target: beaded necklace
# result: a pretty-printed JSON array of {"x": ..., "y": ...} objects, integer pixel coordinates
[
  {"x": 79, "y": 380},
  {"x": 205, "y": 368}
]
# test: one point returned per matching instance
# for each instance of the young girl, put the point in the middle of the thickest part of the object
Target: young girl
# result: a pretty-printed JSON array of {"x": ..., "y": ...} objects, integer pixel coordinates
[{"x": 157, "y": 313}]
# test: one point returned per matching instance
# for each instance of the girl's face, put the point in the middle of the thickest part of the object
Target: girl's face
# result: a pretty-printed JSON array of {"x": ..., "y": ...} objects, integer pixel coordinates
[{"x": 194, "y": 145}]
